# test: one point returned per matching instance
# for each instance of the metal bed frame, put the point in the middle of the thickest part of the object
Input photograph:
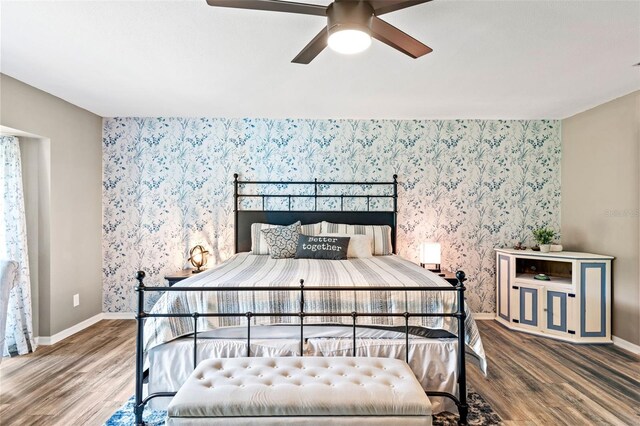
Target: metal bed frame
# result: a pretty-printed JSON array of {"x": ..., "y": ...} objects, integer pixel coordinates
[{"x": 243, "y": 221}]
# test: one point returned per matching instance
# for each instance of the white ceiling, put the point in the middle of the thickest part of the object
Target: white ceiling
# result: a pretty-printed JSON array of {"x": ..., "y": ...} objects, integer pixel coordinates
[{"x": 491, "y": 59}]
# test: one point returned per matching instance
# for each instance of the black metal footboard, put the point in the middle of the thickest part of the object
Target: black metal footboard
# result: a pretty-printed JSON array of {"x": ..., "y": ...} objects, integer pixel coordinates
[{"x": 141, "y": 315}]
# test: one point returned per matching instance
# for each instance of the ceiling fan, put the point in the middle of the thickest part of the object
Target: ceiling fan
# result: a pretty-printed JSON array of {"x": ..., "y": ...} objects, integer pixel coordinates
[{"x": 350, "y": 24}]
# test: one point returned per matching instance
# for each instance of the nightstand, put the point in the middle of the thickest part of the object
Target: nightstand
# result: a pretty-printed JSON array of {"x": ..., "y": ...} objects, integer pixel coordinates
[
  {"x": 179, "y": 276},
  {"x": 450, "y": 276}
]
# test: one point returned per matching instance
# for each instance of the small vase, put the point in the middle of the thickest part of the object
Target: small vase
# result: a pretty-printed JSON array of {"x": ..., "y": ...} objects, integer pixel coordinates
[{"x": 545, "y": 248}]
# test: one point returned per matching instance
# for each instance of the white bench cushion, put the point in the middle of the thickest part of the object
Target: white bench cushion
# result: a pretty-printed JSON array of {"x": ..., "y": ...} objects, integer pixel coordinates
[{"x": 301, "y": 387}]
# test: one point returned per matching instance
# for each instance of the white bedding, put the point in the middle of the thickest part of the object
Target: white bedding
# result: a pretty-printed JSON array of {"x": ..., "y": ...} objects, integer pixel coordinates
[
  {"x": 433, "y": 361},
  {"x": 245, "y": 270}
]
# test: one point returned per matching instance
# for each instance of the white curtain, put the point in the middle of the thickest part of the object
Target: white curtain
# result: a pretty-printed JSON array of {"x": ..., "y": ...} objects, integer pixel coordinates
[{"x": 13, "y": 247}]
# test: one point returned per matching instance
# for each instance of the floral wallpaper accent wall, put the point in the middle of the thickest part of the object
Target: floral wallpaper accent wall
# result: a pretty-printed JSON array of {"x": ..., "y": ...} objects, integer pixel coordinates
[{"x": 472, "y": 185}]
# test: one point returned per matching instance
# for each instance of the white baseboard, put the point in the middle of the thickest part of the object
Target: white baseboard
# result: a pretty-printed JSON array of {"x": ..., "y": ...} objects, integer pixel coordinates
[
  {"x": 50, "y": 340},
  {"x": 631, "y": 347},
  {"x": 118, "y": 315},
  {"x": 482, "y": 316}
]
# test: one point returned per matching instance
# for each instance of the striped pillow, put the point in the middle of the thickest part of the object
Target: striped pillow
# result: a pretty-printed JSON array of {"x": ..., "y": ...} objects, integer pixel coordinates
[
  {"x": 259, "y": 244},
  {"x": 381, "y": 235},
  {"x": 312, "y": 229}
]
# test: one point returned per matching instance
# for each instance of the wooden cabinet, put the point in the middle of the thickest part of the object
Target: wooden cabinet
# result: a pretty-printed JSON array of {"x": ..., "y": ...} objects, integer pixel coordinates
[{"x": 574, "y": 305}]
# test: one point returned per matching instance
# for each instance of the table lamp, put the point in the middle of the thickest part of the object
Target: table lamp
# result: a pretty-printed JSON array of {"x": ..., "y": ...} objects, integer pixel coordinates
[
  {"x": 198, "y": 258},
  {"x": 430, "y": 254}
]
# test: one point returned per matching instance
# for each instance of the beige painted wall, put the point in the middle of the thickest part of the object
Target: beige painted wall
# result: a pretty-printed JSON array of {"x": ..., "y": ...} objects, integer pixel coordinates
[
  {"x": 601, "y": 198},
  {"x": 36, "y": 179},
  {"x": 75, "y": 200}
]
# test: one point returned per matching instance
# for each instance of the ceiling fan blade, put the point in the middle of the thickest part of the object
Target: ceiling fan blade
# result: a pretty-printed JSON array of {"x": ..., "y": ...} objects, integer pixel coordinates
[
  {"x": 397, "y": 39},
  {"x": 381, "y": 7},
  {"x": 313, "y": 49},
  {"x": 273, "y": 6}
]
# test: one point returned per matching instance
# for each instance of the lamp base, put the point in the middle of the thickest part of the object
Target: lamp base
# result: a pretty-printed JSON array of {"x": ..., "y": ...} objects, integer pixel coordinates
[{"x": 197, "y": 271}]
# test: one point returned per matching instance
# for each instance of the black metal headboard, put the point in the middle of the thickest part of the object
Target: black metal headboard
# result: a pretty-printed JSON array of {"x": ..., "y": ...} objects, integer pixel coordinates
[{"x": 286, "y": 216}]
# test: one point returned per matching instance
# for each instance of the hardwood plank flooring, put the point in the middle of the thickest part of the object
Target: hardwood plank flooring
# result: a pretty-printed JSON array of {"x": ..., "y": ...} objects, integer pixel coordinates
[
  {"x": 541, "y": 381},
  {"x": 81, "y": 380},
  {"x": 532, "y": 380}
]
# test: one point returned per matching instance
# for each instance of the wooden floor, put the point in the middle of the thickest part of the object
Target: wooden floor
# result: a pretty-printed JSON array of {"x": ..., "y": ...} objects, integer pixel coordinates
[
  {"x": 531, "y": 381},
  {"x": 540, "y": 381},
  {"x": 80, "y": 380}
]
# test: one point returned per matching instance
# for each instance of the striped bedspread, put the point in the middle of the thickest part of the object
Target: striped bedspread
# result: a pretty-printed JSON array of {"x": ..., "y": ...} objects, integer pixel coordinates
[{"x": 246, "y": 270}]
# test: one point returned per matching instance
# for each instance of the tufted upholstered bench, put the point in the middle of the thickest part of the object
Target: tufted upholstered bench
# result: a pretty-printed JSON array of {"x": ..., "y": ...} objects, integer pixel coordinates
[{"x": 301, "y": 391}]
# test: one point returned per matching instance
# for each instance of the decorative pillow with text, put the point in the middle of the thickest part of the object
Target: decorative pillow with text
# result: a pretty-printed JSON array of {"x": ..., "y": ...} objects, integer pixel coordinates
[{"x": 318, "y": 247}]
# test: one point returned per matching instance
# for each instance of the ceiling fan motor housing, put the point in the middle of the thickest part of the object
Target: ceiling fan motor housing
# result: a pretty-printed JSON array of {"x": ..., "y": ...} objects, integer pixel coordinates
[{"x": 349, "y": 15}]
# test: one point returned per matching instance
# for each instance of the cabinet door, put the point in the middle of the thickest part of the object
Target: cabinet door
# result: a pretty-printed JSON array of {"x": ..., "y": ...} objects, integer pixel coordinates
[
  {"x": 593, "y": 299},
  {"x": 504, "y": 287},
  {"x": 527, "y": 305},
  {"x": 559, "y": 312}
]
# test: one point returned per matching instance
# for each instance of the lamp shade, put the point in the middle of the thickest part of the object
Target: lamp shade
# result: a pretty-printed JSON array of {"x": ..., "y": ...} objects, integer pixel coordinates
[{"x": 430, "y": 253}]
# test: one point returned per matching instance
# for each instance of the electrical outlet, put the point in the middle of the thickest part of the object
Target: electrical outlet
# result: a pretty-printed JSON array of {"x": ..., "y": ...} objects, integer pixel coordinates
[{"x": 76, "y": 300}]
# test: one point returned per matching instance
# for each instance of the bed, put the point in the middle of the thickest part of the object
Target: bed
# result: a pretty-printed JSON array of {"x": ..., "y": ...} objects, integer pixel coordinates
[{"x": 253, "y": 305}]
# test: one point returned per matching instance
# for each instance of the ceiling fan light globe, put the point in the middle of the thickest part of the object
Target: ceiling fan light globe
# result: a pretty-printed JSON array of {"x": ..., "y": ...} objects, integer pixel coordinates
[{"x": 349, "y": 41}]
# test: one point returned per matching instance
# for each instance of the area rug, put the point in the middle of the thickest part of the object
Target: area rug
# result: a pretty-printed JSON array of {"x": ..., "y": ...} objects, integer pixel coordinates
[{"x": 480, "y": 414}]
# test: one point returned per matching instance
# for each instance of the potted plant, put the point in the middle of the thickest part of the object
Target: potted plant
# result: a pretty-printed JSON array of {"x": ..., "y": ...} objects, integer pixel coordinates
[{"x": 544, "y": 237}]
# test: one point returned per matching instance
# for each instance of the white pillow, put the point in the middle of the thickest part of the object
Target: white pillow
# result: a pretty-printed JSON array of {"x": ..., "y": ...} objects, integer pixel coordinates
[
  {"x": 381, "y": 235},
  {"x": 360, "y": 246},
  {"x": 259, "y": 244}
]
